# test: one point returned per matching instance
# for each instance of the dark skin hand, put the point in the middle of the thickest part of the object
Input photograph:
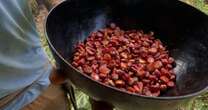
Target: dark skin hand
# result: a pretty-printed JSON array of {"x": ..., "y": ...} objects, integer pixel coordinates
[{"x": 57, "y": 77}]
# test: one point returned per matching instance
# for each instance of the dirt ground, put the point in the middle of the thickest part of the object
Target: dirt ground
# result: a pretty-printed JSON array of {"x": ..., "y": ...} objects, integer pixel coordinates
[{"x": 41, "y": 15}]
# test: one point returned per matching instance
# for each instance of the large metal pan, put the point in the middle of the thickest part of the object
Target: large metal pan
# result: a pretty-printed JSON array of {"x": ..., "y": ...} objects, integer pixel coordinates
[{"x": 181, "y": 27}]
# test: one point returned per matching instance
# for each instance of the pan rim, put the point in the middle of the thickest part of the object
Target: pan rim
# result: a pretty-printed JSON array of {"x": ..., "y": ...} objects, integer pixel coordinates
[{"x": 190, "y": 95}]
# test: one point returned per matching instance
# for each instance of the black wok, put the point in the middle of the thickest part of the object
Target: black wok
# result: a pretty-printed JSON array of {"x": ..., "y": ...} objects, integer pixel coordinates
[{"x": 181, "y": 27}]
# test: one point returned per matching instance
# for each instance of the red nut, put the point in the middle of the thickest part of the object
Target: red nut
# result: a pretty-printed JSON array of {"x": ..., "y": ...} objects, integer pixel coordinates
[
  {"x": 131, "y": 89},
  {"x": 124, "y": 55},
  {"x": 171, "y": 60},
  {"x": 115, "y": 76},
  {"x": 152, "y": 50},
  {"x": 87, "y": 69},
  {"x": 95, "y": 76},
  {"x": 90, "y": 58},
  {"x": 163, "y": 87},
  {"x": 120, "y": 83},
  {"x": 104, "y": 69},
  {"x": 171, "y": 84},
  {"x": 90, "y": 50},
  {"x": 164, "y": 79},
  {"x": 158, "y": 64},
  {"x": 150, "y": 59},
  {"x": 129, "y": 60},
  {"x": 107, "y": 57}
]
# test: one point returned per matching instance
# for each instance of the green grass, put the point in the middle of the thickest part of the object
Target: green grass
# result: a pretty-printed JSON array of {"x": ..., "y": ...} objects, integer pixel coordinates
[{"x": 199, "y": 4}]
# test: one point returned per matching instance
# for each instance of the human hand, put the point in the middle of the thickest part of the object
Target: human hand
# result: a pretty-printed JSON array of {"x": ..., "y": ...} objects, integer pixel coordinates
[{"x": 57, "y": 77}]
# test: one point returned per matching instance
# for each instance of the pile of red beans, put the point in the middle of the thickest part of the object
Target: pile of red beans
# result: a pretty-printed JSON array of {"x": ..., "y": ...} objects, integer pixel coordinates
[{"x": 129, "y": 60}]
